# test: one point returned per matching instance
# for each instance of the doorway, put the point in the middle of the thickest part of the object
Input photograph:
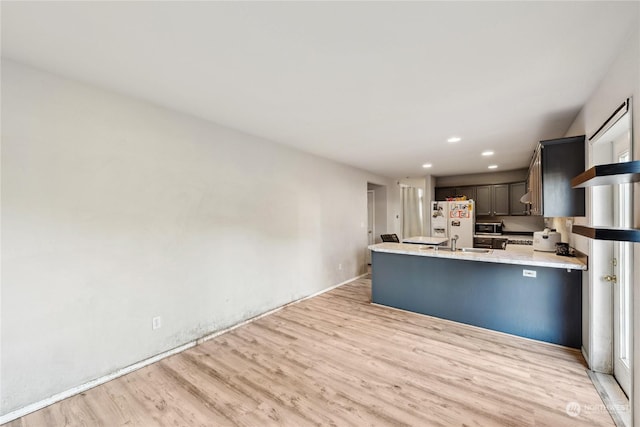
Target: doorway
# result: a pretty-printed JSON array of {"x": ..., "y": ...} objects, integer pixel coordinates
[
  {"x": 371, "y": 222},
  {"x": 376, "y": 216}
]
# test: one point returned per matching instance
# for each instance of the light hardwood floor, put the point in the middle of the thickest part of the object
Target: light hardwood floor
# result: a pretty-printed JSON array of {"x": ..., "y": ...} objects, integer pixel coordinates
[{"x": 337, "y": 360}]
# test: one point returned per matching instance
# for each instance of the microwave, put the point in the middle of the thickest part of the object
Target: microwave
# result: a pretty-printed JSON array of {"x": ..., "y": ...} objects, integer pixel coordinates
[{"x": 489, "y": 228}]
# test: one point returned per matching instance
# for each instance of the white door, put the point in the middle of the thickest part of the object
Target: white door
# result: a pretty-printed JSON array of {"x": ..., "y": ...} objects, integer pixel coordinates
[
  {"x": 371, "y": 220},
  {"x": 613, "y": 261},
  {"x": 622, "y": 279}
]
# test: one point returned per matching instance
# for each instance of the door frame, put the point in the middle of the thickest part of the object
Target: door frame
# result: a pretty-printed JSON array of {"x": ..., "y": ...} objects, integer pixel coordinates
[
  {"x": 602, "y": 294},
  {"x": 623, "y": 296},
  {"x": 371, "y": 228}
]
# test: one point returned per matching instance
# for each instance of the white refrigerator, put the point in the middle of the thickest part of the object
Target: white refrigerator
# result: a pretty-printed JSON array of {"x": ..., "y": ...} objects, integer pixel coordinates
[{"x": 454, "y": 217}]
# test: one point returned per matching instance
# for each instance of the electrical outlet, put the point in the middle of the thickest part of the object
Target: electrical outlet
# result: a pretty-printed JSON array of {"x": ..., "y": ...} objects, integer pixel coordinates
[
  {"x": 339, "y": 266},
  {"x": 529, "y": 273},
  {"x": 156, "y": 323}
]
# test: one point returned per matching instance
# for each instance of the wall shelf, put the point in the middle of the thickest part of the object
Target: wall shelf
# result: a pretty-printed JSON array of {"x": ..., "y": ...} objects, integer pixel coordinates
[
  {"x": 608, "y": 233},
  {"x": 609, "y": 174}
]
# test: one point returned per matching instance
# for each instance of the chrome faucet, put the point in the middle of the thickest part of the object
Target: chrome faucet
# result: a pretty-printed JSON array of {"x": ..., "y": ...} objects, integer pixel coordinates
[{"x": 454, "y": 239}]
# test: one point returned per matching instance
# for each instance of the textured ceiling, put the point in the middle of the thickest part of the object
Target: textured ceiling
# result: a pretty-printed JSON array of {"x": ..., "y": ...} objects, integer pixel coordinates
[{"x": 377, "y": 85}]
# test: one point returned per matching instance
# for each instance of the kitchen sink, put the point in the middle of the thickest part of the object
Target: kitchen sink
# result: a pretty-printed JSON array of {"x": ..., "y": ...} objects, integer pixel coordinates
[
  {"x": 477, "y": 250},
  {"x": 474, "y": 250}
]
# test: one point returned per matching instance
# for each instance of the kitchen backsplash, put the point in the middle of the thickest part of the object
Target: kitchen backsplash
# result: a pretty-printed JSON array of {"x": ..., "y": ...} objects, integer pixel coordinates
[
  {"x": 527, "y": 224},
  {"x": 561, "y": 226}
]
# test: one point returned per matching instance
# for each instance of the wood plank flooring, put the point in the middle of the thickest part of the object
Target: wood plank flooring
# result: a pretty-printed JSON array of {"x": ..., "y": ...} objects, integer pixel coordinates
[{"x": 338, "y": 360}]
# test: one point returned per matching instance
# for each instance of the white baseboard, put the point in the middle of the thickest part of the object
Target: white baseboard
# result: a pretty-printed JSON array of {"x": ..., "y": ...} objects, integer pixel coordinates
[
  {"x": 586, "y": 358},
  {"x": 91, "y": 384},
  {"x": 141, "y": 364},
  {"x": 613, "y": 398},
  {"x": 266, "y": 313}
]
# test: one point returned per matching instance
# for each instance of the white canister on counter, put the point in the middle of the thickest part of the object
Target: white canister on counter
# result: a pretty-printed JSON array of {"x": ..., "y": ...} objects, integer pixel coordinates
[{"x": 545, "y": 240}]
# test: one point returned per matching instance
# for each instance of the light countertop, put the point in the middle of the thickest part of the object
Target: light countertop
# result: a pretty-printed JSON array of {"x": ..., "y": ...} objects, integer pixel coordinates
[
  {"x": 425, "y": 240},
  {"x": 514, "y": 254}
]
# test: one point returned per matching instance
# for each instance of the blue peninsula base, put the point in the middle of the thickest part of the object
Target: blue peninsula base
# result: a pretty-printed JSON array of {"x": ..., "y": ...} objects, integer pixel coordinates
[{"x": 495, "y": 296}]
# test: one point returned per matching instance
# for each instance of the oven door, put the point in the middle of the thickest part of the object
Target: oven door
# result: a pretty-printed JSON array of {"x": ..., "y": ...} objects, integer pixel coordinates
[
  {"x": 499, "y": 243},
  {"x": 483, "y": 242}
]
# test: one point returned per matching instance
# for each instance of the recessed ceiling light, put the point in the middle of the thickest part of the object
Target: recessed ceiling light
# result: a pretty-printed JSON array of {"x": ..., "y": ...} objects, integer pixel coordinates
[
  {"x": 427, "y": 165},
  {"x": 487, "y": 153},
  {"x": 493, "y": 166},
  {"x": 454, "y": 139}
]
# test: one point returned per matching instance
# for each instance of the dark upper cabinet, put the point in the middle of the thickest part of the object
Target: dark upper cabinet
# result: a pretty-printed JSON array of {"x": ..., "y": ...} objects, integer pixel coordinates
[
  {"x": 443, "y": 192},
  {"x": 484, "y": 202},
  {"x": 492, "y": 200},
  {"x": 469, "y": 191},
  {"x": 516, "y": 191},
  {"x": 500, "y": 199},
  {"x": 535, "y": 183},
  {"x": 555, "y": 163}
]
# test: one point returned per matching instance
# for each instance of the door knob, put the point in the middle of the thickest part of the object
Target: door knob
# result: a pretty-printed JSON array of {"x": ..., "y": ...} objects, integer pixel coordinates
[{"x": 612, "y": 279}]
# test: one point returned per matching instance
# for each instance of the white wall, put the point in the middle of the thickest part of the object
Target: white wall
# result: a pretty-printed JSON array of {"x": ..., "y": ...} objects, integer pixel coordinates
[
  {"x": 115, "y": 211},
  {"x": 622, "y": 81}
]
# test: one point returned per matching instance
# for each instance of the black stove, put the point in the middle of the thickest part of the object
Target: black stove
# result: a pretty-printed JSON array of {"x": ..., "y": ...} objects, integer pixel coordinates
[{"x": 521, "y": 242}]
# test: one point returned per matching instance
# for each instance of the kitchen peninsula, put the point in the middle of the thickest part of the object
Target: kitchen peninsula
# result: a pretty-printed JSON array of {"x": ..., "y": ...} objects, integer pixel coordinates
[{"x": 536, "y": 295}]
